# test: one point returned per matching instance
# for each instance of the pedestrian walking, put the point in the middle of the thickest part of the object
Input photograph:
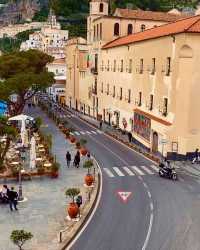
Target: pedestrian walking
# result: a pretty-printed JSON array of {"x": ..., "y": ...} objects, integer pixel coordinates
[
  {"x": 68, "y": 158},
  {"x": 88, "y": 155},
  {"x": 79, "y": 203},
  {"x": 196, "y": 156},
  {"x": 130, "y": 137},
  {"x": 100, "y": 124},
  {"x": 13, "y": 198},
  {"x": 77, "y": 159}
]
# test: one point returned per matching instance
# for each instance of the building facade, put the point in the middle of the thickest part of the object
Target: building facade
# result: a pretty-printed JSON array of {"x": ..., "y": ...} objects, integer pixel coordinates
[{"x": 159, "y": 101}]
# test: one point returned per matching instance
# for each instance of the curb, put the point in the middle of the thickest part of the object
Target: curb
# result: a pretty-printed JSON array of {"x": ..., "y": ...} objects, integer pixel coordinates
[
  {"x": 156, "y": 160},
  {"x": 89, "y": 214}
]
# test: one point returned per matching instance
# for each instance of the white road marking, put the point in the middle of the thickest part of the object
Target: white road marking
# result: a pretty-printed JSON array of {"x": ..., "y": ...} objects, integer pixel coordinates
[
  {"x": 83, "y": 133},
  {"x": 151, "y": 206},
  {"x": 71, "y": 133},
  {"x": 69, "y": 116},
  {"x": 154, "y": 167},
  {"x": 148, "y": 233},
  {"x": 118, "y": 171},
  {"x": 99, "y": 131},
  {"x": 76, "y": 133},
  {"x": 181, "y": 179},
  {"x": 137, "y": 170},
  {"x": 127, "y": 170},
  {"x": 89, "y": 133},
  {"x": 145, "y": 185},
  {"x": 147, "y": 170},
  {"x": 108, "y": 172},
  {"x": 93, "y": 132},
  {"x": 149, "y": 194}
]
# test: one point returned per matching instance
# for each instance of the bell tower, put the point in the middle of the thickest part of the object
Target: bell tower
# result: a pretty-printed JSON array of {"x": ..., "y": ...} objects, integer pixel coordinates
[{"x": 99, "y": 7}]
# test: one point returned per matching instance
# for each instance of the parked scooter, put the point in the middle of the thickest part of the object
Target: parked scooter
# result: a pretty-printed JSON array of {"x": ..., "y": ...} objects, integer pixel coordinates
[{"x": 167, "y": 171}]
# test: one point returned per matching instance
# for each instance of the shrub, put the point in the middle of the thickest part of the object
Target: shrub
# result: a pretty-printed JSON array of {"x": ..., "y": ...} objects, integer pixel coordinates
[{"x": 19, "y": 237}]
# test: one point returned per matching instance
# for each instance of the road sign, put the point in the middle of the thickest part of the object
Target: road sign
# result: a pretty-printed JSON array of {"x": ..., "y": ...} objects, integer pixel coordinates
[{"x": 124, "y": 195}]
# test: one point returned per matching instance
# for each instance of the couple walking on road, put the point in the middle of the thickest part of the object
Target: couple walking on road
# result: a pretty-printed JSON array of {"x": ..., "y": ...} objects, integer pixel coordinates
[
  {"x": 77, "y": 159},
  {"x": 9, "y": 196}
]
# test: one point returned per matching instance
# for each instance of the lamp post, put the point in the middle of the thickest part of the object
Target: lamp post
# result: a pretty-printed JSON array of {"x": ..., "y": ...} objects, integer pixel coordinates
[{"x": 22, "y": 150}]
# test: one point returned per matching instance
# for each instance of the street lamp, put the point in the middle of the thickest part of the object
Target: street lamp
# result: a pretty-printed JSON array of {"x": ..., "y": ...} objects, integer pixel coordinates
[{"x": 21, "y": 171}]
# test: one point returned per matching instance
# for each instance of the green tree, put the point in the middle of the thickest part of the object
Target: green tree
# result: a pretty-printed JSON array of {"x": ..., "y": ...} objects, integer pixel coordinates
[
  {"x": 19, "y": 237},
  {"x": 10, "y": 133},
  {"x": 23, "y": 73}
]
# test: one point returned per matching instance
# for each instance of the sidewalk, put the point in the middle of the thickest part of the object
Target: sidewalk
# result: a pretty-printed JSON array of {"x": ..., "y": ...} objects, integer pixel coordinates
[
  {"x": 44, "y": 212},
  {"x": 188, "y": 167}
]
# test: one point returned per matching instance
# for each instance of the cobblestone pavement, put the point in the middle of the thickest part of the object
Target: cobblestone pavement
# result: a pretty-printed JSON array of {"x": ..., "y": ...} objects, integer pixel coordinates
[{"x": 44, "y": 212}]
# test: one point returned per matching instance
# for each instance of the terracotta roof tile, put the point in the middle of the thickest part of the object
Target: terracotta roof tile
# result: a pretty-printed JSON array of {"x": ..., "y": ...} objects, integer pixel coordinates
[
  {"x": 191, "y": 24},
  {"x": 149, "y": 15}
]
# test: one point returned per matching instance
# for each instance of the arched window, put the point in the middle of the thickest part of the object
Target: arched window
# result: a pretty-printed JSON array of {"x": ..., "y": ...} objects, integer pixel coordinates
[
  {"x": 116, "y": 29},
  {"x": 130, "y": 29},
  {"x": 101, "y": 7},
  {"x": 143, "y": 27}
]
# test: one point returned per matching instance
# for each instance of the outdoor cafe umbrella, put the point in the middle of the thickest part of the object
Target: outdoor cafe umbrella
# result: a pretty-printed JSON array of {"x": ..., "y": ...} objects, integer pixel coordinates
[{"x": 32, "y": 153}]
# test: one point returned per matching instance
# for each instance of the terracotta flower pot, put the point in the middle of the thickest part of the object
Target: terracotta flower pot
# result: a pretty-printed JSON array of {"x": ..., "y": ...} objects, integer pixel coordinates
[
  {"x": 89, "y": 179},
  {"x": 72, "y": 139},
  {"x": 83, "y": 151},
  {"x": 73, "y": 210},
  {"x": 54, "y": 175}
]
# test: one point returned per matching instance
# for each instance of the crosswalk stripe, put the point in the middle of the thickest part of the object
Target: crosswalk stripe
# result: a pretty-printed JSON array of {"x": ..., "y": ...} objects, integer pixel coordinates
[
  {"x": 83, "y": 133},
  {"x": 147, "y": 170},
  {"x": 154, "y": 168},
  {"x": 71, "y": 133},
  {"x": 118, "y": 171},
  {"x": 99, "y": 131},
  {"x": 76, "y": 133},
  {"x": 89, "y": 133},
  {"x": 137, "y": 170},
  {"x": 93, "y": 132},
  {"x": 108, "y": 172},
  {"x": 127, "y": 170},
  {"x": 69, "y": 116}
]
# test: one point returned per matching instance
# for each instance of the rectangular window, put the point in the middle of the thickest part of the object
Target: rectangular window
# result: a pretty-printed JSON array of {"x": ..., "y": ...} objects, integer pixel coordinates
[
  {"x": 151, "y": 102},
  {"x": 122, "y": 66},
  {"x": 102, "y": 87},
  {"x": 168, "y": 69},
  {"x": 102, "y": 66},
  {"x": 141, "y": 66},
  {"x": 107, "y": 92},
  {"x": 114, "y": 66},
  {"x": 100, "y": 31},
  {"x": 108, "y": 68},
  {"x": 97, "y": 31},
  {"x": 94, "y": 33},
  {"x": 165, "y": 107},
  {"x": 113, "y": 91},
  {"x": 120, "y": 97},
  {"x": 153, "y": 66},
  {"x": 130, "y": 66},
  {"x": 129, "y": 96},
  {"x": 140, "y": 99}
]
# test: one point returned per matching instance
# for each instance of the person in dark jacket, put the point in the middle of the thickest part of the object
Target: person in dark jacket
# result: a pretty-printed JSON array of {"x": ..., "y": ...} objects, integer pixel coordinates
[
  {"x": 68, "y": 158},
  {"x": 77, "y": 159},
  {"x": 12, "y": 197},
  {"x": 130, "y": 137},
  {"x": 196, "y": 156}
]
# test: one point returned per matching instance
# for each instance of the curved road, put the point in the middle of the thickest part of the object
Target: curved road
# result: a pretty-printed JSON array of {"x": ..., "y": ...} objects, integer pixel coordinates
[{"x": 160, "y": 214}]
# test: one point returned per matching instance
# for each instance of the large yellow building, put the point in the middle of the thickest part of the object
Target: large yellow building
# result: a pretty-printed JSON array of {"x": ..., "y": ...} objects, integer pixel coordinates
[{"x": 145, "y": 82}]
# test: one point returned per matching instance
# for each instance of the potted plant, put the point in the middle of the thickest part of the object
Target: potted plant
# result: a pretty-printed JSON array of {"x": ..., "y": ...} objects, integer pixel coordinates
[
  {"x": 78, "y": 145},
  {"x": 72, "y": 139},
  {"x": 89, "y": 179},
  {"x": 54, "y": 169},
  {"x": 67, "y": 134},
  {"x": 73, "y": 209},
  {"x": 83, "y": 150}
]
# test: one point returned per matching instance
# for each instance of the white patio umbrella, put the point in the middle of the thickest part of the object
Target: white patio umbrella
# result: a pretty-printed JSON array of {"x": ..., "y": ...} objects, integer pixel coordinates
[{"x": 32, "y": 153}]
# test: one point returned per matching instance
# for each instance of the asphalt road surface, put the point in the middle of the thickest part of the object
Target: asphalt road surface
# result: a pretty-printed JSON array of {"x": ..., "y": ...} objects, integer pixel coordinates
[{"x": 160, "y": 214}]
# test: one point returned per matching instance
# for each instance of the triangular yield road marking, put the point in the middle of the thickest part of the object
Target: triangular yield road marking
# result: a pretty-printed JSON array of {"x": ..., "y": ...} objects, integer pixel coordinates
[{"x": 123, "y": 195}]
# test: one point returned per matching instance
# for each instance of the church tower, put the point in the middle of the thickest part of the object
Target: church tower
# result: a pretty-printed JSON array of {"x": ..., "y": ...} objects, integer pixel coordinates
[{"x": 97, "y": 8}]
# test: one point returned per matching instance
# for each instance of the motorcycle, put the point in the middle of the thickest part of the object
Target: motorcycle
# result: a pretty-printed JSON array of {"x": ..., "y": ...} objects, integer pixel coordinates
[{"x": 168, "y": 173}]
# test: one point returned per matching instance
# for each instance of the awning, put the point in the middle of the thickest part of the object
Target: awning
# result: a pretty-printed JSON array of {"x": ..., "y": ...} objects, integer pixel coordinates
[{"x": 153, "y": 117}]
